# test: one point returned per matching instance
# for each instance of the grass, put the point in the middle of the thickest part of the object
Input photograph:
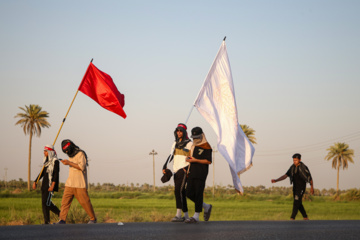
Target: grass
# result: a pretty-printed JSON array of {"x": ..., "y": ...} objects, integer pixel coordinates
[{"x": 150, "y": 207}]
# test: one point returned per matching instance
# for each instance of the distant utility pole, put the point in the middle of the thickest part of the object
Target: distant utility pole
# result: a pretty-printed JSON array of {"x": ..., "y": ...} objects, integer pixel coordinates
[
  {"x": 5, "y": 177},
  {"x": 153, "y": 153},
  {"x": 213, "y": 162}
]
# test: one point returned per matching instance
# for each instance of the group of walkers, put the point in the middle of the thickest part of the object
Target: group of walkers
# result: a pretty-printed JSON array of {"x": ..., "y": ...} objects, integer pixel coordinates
[
  {"x": 191, "y": 160},
  {"x": 190, "y": 166},
  {"x": 75, "y": 185}
]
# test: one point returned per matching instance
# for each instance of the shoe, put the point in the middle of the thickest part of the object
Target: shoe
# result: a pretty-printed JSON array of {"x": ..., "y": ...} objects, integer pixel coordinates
[
  {"x": 92, "y": 221},
  {"x": 60, "y": 222},
  {"x": 178, "y": 219},
  {"x": 306, "y": 219},
  {"x": 292, "y": 219},
  {"x": 191, "y": 220},
  {"x": 207, "y": 214}
]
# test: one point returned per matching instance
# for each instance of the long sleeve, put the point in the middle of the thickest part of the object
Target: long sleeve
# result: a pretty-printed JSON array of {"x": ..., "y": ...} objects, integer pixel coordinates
[{"x": 42, "y": 174}]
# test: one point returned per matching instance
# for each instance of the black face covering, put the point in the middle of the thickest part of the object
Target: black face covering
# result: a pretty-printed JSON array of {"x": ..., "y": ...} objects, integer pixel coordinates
[{"x": 69, "y": 148}]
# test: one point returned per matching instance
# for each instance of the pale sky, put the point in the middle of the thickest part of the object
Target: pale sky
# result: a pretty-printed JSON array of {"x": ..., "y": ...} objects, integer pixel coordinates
[{"x": 294, "y": 65}]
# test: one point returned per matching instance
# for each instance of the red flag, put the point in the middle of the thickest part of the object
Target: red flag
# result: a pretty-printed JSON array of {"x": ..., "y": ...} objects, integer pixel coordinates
[{"x": 101, "y": 88}]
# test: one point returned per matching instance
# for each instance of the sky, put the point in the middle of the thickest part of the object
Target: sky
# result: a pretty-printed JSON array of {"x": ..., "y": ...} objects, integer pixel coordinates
[{"x": 294, "y": 66}]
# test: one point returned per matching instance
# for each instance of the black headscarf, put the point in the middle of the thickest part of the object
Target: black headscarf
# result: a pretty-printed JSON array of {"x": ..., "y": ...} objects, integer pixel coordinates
[
  {"x": 69, "y": 148},
  {"x": 184, "y": 140}
]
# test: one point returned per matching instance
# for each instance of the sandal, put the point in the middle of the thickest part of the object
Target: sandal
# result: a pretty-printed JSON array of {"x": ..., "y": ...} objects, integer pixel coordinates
[
  {"x": 177, "y": 219},
  {"x": 207, "y": 214},
  {"x": 191, "y": 220}
]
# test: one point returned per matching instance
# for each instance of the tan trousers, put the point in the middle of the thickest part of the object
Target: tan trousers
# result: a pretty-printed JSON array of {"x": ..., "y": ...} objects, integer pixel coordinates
[{"x": 82, "y": 196}]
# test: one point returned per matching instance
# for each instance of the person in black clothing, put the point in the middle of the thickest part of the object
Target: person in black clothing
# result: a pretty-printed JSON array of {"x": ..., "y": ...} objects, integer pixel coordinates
[
  {"x": 299, "y": 175},
  {"x": 201, "y": 157},
  {"x": 50, "y": 182}
]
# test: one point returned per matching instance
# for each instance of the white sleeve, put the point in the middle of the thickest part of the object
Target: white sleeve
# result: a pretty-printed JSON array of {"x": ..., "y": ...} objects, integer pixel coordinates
[{"x": 189, "y": 145}]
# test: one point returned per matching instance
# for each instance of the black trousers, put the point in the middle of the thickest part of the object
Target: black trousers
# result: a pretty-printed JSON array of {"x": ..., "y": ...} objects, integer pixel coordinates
[
  {"x": 195, "y": 192},
  {"x": 180, "y": 192},
  {"x": 298, "y": 206},
  {"x": 46, "y": 209}
]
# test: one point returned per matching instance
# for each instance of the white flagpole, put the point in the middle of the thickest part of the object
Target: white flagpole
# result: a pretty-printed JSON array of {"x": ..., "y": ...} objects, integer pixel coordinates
[{"x": 189, "y": 114}]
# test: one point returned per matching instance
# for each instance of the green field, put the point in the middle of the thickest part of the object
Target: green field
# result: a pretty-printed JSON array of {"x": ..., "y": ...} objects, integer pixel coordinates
[{"x": 150, "y": 207}]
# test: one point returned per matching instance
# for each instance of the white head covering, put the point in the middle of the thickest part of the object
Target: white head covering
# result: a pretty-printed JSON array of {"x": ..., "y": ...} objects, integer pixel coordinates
[{"x": 51, "y": 158}]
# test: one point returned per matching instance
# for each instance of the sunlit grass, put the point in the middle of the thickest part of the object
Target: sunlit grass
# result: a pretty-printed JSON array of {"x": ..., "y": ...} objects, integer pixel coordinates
[{"x": 149, "y": 207}]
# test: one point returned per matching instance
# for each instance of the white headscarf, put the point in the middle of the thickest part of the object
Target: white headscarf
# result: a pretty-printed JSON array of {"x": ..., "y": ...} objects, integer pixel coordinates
[{"x": 52, "y": 157}]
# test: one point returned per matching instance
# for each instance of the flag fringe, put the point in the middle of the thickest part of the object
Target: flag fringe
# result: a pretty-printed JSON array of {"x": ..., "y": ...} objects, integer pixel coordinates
[{"x": 244, "y": 170}]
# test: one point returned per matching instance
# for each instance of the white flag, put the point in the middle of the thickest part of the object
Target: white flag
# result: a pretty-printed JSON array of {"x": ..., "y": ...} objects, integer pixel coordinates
[{"x": 216, "y": 103}]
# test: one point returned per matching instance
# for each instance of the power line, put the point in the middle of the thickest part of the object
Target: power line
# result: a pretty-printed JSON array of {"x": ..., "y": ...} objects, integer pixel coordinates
[{"x": 310, "y": 148}]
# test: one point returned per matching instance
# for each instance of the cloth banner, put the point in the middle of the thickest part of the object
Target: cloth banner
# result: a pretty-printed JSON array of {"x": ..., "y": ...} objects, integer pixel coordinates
[
  {"x": 100, "y": 87},
  {"x": 216, "y": 103}
]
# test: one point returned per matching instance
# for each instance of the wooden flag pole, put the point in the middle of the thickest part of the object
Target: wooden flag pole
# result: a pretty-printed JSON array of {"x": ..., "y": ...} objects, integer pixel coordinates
[
  {"x": 37, "y": 180},
  {"x": 65, "y": 117}
]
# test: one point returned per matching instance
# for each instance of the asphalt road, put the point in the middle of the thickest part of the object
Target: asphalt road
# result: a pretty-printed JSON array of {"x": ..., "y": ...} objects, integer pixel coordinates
[{"x": 282, "y": 230}]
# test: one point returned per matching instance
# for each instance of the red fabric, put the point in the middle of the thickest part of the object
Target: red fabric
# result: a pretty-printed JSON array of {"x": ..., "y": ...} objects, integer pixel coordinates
[
  {"x": 66, "y": 146},
  {"x": 47, "y": 148},
  {"x": 101, "y": 88},
  {"x": 183, "y": 126}
]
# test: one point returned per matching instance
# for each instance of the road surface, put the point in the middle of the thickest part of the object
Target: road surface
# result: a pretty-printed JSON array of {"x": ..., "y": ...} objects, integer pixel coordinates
[{"x": 282, "y": 230}]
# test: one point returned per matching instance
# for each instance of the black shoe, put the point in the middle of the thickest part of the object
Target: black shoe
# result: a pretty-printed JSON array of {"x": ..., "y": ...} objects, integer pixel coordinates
[{"x": 60, "y": 222}]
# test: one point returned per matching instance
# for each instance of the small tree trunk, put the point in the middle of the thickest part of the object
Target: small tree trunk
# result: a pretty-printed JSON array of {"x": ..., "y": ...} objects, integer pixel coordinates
[
  {"x": 337, "y": 182},
  {"x": 29, "y": 163}
]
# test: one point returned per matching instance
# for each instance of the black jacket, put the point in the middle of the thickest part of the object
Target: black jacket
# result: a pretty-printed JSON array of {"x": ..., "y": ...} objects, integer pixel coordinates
[
  {"x": 45, "y": 176},
  {"x": 303, "y": 172}
]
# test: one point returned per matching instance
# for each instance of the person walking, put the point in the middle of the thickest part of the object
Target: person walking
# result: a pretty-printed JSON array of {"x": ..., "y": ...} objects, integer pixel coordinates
[
  {"x": 299, "y": 175},
  {"x": 76, "y": 184},
  {"x": 200, "y": 159},
  {"x": 180, "y": 150},
  {"x": 50, "y": 182}
]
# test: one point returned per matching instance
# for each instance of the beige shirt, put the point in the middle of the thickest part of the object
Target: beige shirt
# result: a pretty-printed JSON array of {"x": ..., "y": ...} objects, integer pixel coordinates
[{"x": 77, "y": 178}]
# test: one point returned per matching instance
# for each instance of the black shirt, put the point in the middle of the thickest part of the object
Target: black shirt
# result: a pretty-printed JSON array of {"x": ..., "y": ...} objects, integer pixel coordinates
[
  {"x": 298, "y": 181},
  {"x": 198, "y": 170},
  {"x": 45, "y": 176}
]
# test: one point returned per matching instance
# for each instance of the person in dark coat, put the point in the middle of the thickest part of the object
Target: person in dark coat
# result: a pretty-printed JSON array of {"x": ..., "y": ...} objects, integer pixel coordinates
[
  {"x": 299, "y": 175},
  {"x": 200, "y": 158},
  {"x": 50, "y": 182}
]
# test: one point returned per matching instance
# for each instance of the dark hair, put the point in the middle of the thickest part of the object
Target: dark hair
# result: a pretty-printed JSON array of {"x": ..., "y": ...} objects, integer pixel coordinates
[{"x": 297, "y": 155}]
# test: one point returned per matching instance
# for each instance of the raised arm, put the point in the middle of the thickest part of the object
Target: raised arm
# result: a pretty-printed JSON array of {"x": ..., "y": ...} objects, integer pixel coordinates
[{"x": 279, "y": 179}]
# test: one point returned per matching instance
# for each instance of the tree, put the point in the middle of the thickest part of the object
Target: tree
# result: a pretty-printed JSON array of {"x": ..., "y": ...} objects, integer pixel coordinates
[
  {"x": 32, "y": 120},
  {"x": 249, "y": 132},
  {"x": 341, "y": 155}
]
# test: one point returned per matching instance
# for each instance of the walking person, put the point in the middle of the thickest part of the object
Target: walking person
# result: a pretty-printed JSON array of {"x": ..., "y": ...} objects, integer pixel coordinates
[
  {"x": 200, "y": 159},
  {"x": 299, "y": 175},
  {"x": 50, "y": 182},
  {"x": 180, "y": 150},
  {"x": 76, "y": 184}
]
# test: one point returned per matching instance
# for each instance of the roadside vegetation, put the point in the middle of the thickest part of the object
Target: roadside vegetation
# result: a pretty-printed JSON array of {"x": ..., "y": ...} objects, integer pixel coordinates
[{"x": 138, "y": 203}]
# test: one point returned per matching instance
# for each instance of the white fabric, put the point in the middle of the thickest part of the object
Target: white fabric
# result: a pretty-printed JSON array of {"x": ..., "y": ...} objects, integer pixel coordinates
[
  {"x": 216, "y": 103},
  {"x": 52, "y": 157},
  {"x": 179, "y": 161}
]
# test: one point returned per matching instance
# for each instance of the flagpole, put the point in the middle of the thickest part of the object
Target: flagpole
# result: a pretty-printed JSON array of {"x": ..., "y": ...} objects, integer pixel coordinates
[
  {"x": 37, "y": 180},
  {"x": 189, "y": 114}
]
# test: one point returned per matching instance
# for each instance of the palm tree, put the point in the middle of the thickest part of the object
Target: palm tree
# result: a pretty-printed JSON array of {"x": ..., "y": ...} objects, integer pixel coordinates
[
  {"x": 32, "y": 120},
  {"x": 249, "y": 132},
  {"x": 341, "y": 155}
]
